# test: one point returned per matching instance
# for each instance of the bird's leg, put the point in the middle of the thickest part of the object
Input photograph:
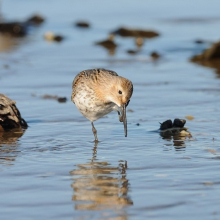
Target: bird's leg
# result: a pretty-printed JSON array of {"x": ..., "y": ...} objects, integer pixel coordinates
[
  {"x": 120, "y": 117},
  {"x": 94, "y": 132}
]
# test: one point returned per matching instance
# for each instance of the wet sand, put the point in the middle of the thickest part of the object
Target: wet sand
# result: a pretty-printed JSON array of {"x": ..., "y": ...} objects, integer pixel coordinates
[{"x": 55, "y": 171}]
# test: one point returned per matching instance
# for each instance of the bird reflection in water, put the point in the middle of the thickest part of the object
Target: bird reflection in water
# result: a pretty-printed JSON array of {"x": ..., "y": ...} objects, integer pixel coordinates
[
  {"x": 8, "y": 146},
  {"x": 99, "y": 186}
]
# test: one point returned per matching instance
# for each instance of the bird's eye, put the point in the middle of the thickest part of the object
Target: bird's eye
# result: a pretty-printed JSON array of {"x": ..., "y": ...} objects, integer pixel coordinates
[{"x": 120, "y": 92}]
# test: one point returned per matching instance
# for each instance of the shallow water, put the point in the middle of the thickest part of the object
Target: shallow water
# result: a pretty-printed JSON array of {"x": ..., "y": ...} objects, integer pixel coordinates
[{"x": 55, "y": 171}]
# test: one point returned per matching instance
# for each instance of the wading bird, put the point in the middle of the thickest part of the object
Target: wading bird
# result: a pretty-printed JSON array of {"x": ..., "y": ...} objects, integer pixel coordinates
[{"x": 97, "y": 92}]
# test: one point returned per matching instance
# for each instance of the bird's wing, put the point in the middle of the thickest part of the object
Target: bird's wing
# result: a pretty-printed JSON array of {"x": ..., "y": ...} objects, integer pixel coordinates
[
  {"x": 92, "y": 74},
  {"x": 107, "y": 72},
  {"x": 75, "y": 83}
]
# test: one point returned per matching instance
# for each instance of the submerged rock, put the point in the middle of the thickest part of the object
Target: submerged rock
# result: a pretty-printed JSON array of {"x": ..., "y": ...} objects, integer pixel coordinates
[
  {"x": 36, "y": 19},
  {"x": 155, "y": 55},
  {"x": 108, "y": 44},
  {"x": 10, "y": 116},
  {"x": 209, "y": 58},
  {"x": 62, "y": 99},
  {"x": 20, "y": 28},
  {"x": 82, "y": 24},
  {"x": 46, "y": 96},
  {"x": 132, "y": 52},
  {"x": 199, "y": 41},
  {"x": 59, "y": 99},
  {"x": 127, "y": 32}
]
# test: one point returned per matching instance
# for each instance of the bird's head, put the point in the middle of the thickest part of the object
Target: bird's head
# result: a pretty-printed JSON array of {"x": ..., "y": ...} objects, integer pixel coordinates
[{"x": 120, "y": 93}]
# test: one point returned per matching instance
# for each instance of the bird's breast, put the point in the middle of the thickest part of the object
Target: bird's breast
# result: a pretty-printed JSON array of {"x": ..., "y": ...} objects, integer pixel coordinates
[{"x": 91, "y": 106}]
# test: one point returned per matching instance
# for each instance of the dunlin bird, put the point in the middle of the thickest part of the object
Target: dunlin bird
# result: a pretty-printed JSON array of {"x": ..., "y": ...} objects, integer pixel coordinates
[{"x": 97, "y": 92}]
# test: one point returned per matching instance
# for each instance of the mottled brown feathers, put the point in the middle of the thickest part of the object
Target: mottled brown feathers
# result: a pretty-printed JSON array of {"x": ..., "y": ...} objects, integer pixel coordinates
[
  {"x": 97, "y": 92},
  {"x": 92, "y": 74},
  {"x": 128, "y": 84}
]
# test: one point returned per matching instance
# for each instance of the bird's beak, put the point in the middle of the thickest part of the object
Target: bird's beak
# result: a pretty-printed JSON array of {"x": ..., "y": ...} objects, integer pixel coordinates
[{"x": 123, "y": 112}]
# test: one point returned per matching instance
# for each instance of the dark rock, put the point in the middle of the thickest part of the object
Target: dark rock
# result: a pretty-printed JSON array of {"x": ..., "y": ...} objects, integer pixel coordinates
[
  {"x": 211, "y": 53},
  {"x": 36, "y": 19},
  {"x": 82, "y": 24},
  {"x": 10, "y": 116},
  {"x": 132, "y": 51},
  {"x": 175, "y": 131},
  {"x": 49, "y": 96},
  {"x": 59, "y": 99},
  {"x": 58, "y": 38},
  {"x": 199, "y": 41},
  {"x": 62, "y": 99},
  {"x": 16, "y": 29},
  {"x": 179, "y": 123},
  {"x": 209, "y": 58},
  {"x": 166, "y": 125},
  {"x": 155, "y": 55},
  {"x": 108, "y": 44},
  {"x": 127, "y": 32}
]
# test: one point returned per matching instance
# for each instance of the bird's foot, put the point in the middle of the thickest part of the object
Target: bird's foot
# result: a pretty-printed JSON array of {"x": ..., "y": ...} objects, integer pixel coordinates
[{"x": 96, "y": 141}]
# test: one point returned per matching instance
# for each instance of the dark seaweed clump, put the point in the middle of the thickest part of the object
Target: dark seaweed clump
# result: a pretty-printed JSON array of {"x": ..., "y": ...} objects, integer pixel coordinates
[{"x": 177, "y": 123}]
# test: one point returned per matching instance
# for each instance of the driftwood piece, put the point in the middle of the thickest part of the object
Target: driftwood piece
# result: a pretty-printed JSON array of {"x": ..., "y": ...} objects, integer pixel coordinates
[{"x": 10, "y": 116}]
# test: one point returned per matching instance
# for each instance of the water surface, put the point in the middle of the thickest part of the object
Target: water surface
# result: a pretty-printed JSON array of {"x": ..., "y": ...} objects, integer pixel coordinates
[{"x": 55, "y": 171}]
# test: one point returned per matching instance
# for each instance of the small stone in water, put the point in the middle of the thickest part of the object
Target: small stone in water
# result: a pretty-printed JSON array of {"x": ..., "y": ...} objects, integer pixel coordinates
[
  {"x": 50, "y": 36},
  {"x": 82, "y": 24},
  {"x": 62, "y": 99},
  {"x": 58, "y": 38},
  {"x": 132, "y": 51},
  {"x": 155, "y": 55},
  {"x": 36, "y": 19},
  {"x": 189, "y": 117}
]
